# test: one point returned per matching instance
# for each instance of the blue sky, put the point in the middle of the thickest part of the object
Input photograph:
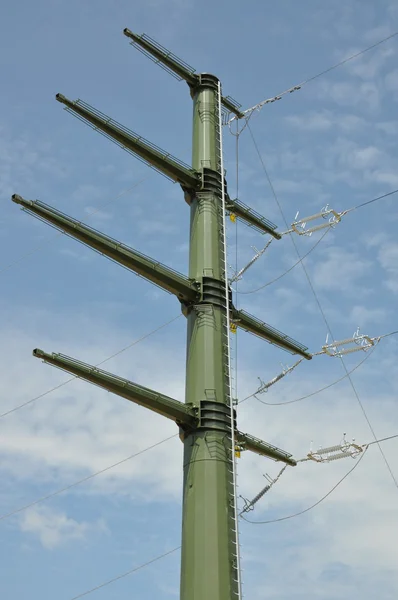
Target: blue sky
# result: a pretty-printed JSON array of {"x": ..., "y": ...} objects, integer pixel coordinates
[{"x": 332, "y": 142}]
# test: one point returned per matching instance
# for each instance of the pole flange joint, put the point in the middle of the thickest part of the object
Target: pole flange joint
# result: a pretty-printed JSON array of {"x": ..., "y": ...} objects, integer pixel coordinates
[
  {"x": 212, "y": 291},
  {"x": 214, "y": 415}
]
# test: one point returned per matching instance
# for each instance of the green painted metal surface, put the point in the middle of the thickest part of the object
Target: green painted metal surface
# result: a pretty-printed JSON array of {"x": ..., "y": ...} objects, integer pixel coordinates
[
  {"x": 250, "y": 323},
  {"x": 252, "y": 218},
  {"x": 159, "y": 403},
  {"x": 249, "y": 442},
  {"x": 175, "y": 66},
  {"x": 208, "y": 566},
  {"x": 162, "y": 161},
  {"x": 152, "y": 270},
  {"x": 208, "y": 570}
]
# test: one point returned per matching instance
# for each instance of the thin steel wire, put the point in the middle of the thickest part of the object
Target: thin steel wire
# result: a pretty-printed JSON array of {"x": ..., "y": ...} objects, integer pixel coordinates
[
  {"x": 302, "y": 512},
  {"x": 326, "y": 387},
  {"x": 84, "y": 479},
  {"x": 249, "y": 112},
  {"x": 290, "y": 269},
  {"x": 53, "y": 237},
  {"x": 321, "y": 309},
  {"x": 8, "y": 412},
  {"x": 142, "y": 566},
  {"x": 330, "y": 492},
  {"x": 374, "y": 200},
  {"x": 315, "y": 245}
]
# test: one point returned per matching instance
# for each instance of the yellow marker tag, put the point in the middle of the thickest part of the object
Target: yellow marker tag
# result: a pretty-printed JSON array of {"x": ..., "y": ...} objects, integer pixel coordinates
[
  {"x": 232, "y": 327},
  {"x": 232, "y": 216}
]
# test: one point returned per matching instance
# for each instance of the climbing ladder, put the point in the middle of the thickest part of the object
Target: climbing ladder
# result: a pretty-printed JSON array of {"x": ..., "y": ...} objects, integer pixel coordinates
[{"x": 227, "y": 347}]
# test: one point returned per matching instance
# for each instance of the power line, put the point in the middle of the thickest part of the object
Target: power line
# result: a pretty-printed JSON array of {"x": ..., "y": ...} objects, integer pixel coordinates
[
  {"x": 50, "y": 239},
  {"x": 249, "y": 112},
  {"x": 391, "y": 437},
  {"x": 374, "y": 200},
  {"x": 87, "y": 478},
  {"x": 312, "y": 393},
  {"x": 146, "y": 564},
  {"x": 388, "y": 334},
  {"x": 315, "y": 245},
  {"x": 313, "y": 505},
  {"x": 290, "y": 269},
  {"x": 254, "y": 394},
  {"x": 8, "y": 412},
  {"x": 369, "y": 424},
  {"x": 320, "y": 307},
  {"x": 330, "y": 492}
]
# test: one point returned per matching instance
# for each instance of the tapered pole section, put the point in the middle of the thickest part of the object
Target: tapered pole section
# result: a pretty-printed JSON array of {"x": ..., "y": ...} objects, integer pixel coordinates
[{"x": 209, "y": 565}]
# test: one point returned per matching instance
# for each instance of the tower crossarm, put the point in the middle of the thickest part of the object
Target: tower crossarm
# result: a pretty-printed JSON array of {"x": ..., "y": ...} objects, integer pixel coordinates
[
  {"x": 169, "y": 61},
  {"x": 253, "y": 325},
  {"x": 252, "y": 218},
  {"x": 154, "y": 271},
  {"x": 174, "y": 65},
  {"x": 160, "y": 160},
  {"x": 249, "y": 442},
  {"x": 181, "y": 413}
]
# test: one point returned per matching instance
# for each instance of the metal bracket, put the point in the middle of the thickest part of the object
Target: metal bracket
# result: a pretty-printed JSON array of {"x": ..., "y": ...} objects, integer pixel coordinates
[
  {"x": 361, "y": 342},
  {"x": 300, "y": 226},
  {"x": 343, "y": 450}
]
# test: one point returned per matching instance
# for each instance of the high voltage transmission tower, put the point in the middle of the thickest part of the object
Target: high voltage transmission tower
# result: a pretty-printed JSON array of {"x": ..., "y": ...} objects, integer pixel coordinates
[{"x": 210, "y": 564}]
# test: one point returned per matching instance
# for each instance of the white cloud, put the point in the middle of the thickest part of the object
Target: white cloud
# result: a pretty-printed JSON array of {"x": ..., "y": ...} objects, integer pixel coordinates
[
  {"x": 54, "y": 528},
  {"x": 365, "y": 96},
  {"x": 392, "y": 81},
  {"x": 80, "y": 429},
  {"x": 388, "y": 258},
  {"x": 96, "y": 213},
  {"x": 365, "y": 157},
  {"x": 23, "y": 161},
  {"x": 361, "y": 315},
  {"x": 382, "y": 176},
  {"x": 389, "y": 127},
  {"x": 340, "y": 269},
  {"x": 314, "y": 121},
  {"x": 326, "y": 553},
  {"x": 87, "y": 192},
  {"x": 328, "y": 121},
  {"x": 368, "y": 66}
]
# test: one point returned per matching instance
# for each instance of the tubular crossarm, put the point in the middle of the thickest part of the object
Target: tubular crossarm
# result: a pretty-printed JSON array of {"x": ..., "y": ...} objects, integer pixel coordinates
[
  {"x": 174, "y": 65},
  {"x": 253, "y": 325},
  {"x": 161, "y": 161},
  {"x": 154, "y": 271},
  {"x": 183, "y": 414},
  {"x": 249, "y": 442},
  {"x": 252, "y": 218}
]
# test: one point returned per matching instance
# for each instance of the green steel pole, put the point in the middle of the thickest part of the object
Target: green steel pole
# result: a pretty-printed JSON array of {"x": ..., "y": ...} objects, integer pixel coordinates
[{"x": 209, "y": 568}]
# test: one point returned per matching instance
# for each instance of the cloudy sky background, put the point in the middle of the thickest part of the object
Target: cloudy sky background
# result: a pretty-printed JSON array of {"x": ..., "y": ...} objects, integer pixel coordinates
[{"x": 332, "y": 142}]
